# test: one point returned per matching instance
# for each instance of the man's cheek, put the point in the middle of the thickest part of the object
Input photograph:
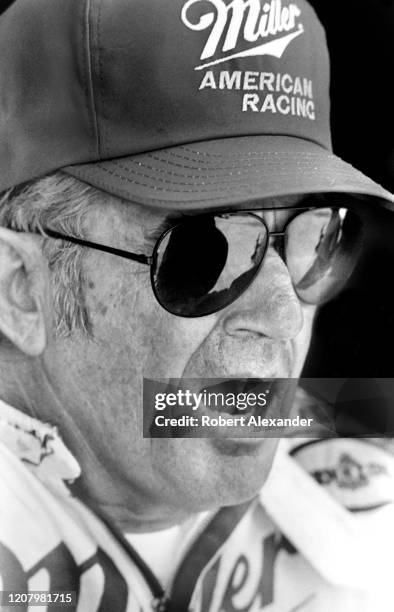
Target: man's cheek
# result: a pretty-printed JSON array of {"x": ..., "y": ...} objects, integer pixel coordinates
[
  {"x": 166, "y": 349},
  {"x": 171, "y": 344},
  {"x": 161, "y": 343}
]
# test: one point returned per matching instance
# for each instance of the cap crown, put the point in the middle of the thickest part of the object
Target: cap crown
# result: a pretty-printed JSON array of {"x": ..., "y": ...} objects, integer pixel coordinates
[{"x": 89, "y": 80}]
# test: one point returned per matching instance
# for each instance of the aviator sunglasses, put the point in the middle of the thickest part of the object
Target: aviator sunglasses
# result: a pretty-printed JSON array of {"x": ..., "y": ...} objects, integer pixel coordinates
[{"x": 204, "y": 263}]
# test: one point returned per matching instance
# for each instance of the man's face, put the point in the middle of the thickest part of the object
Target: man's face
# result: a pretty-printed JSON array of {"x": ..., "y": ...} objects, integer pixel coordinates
[{"x": 98, "y": 381}]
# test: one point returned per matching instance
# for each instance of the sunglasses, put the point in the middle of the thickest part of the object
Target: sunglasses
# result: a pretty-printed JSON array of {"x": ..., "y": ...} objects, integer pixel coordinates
[{"x": 204, "y": 263}]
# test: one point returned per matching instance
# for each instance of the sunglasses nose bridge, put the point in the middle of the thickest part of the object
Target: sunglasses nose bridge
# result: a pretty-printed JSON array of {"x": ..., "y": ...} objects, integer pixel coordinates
[
  {"x": 269, "y": 305},
  {"x": 276, "y": 239}
]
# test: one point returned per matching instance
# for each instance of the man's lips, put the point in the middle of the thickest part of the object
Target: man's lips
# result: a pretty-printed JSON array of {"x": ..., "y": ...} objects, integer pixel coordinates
[{"x": 226, "y": 401}]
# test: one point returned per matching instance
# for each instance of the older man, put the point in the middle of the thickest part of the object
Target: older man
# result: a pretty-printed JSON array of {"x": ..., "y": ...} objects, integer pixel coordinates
[{"x": 160, "y": 165}]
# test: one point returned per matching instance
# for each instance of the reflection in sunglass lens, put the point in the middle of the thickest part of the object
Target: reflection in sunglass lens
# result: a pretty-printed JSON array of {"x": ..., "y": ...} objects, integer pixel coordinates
[
  {"x": 204, "y": 264},
  {"x": 321, "y": 251}
]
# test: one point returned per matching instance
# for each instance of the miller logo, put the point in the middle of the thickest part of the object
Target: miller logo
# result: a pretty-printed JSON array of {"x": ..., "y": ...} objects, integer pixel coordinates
[{"x": 248, "y": 21}]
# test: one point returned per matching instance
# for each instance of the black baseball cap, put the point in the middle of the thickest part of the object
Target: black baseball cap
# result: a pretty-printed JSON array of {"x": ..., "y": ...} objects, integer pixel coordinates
[{"x": 171, "y": 103}]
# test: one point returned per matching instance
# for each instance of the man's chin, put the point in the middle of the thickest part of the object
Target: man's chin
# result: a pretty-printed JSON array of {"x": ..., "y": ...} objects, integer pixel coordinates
[
  {"x": 216, "y": 472},
  {"x": 245, "y": 464}
]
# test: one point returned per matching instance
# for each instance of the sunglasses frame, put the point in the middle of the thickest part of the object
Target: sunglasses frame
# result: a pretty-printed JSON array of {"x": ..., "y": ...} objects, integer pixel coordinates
[{"x": 151, "y": 260}]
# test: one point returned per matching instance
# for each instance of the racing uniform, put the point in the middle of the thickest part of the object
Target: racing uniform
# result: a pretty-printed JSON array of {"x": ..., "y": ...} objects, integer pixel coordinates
[{"x": 318, "y": 538}]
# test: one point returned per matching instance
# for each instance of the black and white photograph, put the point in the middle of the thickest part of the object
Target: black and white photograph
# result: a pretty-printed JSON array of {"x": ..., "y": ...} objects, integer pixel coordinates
[{"x": 196, "y": 306}]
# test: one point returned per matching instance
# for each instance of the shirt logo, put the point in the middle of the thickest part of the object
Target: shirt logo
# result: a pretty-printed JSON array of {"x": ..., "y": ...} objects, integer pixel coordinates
[
  {"x": 350, "y": 474},
  {"x": 241, "y": 22}
]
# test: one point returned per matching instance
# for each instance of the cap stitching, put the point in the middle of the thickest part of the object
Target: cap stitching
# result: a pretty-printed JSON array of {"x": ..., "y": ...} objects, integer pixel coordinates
[
  {"x": 304, "y": 139},
  {"x": 184, "y": 176},
  {"x": 262, "y": 155},
  {"x": 178, "y": 165},
  {"x": 156, "y": 178},
  {"x": 298, "y": 163},
  {"x": 223, "y": 186},
  {"x": 206, "y": 154},
  {"x": 191, "y": 176},
  {"x": 247, "y": 154},
  {"x": 252, "y": 197},
  {"x": 157, "y": 188},
  {"x": 172, "y": 173}
]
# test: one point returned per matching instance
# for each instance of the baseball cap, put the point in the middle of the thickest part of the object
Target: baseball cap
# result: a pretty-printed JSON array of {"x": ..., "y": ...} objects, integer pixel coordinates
[{"x": 171, "y": 103}]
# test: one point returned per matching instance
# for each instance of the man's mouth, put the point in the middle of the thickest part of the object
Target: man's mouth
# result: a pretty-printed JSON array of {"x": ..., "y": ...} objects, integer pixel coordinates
[{"x": 238, "y": 407}]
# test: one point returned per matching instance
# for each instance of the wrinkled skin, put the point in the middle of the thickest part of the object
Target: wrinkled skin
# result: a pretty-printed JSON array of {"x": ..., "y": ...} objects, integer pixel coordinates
[{"x": 92, "y": 387}]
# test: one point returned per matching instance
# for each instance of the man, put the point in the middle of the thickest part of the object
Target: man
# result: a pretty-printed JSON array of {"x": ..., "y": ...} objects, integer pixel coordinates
[{"x": 136, "y": 138}]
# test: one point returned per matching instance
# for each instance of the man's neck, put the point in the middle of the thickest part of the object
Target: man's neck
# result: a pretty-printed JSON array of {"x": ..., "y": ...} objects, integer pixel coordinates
[{"x": 130, "y": 508}]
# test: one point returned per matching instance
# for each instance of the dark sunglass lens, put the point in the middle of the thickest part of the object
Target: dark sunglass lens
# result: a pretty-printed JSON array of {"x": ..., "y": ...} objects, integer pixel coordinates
[
  {"x": 322, "y": 250},
  {"x": 204, "y": 264}
]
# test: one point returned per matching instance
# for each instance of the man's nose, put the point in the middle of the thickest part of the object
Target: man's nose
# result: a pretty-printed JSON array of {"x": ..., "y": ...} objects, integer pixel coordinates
[{"x": 269, "y": 307}]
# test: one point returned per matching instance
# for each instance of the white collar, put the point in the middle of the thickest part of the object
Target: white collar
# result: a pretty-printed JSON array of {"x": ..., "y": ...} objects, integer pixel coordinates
[{"x": 39, "y": 446}]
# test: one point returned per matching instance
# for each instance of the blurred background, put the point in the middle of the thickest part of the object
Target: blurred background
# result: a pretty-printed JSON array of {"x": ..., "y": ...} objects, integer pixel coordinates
[{"x": 354, "y": 335}]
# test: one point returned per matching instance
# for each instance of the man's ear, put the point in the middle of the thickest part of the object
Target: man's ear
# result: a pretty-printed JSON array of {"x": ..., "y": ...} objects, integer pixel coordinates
[{"x": 23, "y": 291}]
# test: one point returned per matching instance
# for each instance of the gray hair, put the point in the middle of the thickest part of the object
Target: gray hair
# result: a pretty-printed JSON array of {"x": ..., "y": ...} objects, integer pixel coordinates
[{"x": 59, "y": 202}]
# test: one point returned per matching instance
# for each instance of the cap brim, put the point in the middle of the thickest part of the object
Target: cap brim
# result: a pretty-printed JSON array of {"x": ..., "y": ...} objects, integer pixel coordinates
[{"x": 226, "y": 173}]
